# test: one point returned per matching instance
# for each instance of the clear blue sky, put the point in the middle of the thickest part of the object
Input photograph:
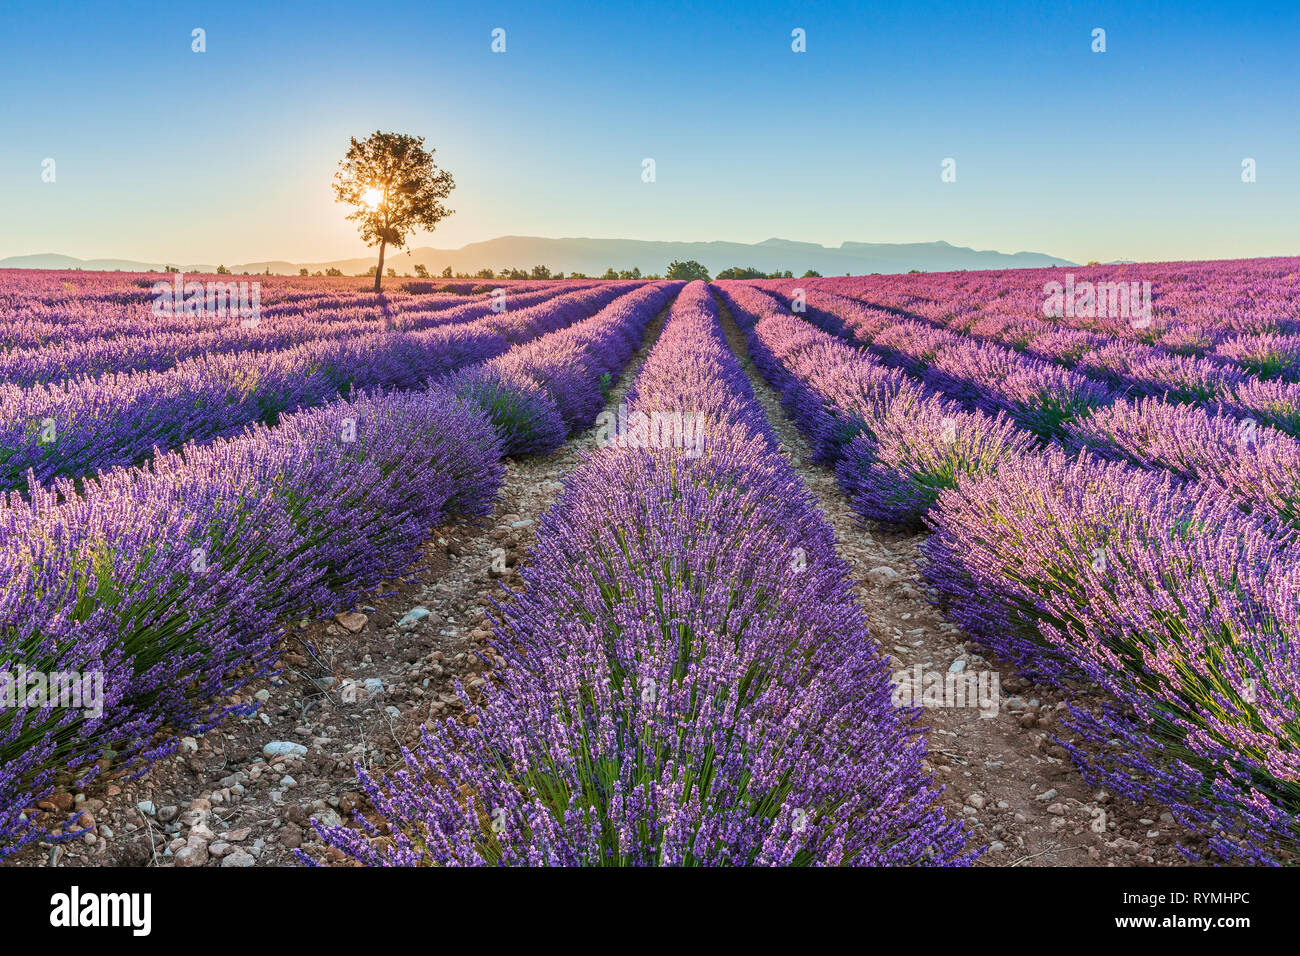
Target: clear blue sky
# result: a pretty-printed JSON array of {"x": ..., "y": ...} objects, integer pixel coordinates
[{"x": 165, "y": 154}]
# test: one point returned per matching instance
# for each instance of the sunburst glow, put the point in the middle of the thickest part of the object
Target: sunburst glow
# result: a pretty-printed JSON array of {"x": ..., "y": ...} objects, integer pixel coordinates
[{"x": 373, "y": 197}]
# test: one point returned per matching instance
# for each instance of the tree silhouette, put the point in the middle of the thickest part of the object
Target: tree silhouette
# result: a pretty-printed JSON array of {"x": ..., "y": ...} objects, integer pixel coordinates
[{"x": 391, "y": 181}]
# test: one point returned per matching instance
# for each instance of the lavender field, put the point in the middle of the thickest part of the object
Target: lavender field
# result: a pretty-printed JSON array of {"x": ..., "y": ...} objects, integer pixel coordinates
[{"x": 643, "y": 506}]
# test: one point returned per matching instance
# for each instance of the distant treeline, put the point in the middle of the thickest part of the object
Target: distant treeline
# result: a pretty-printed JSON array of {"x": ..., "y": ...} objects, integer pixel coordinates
[
  {"x": 749, "y": 272},
  {"x": 676, "y": 270}
]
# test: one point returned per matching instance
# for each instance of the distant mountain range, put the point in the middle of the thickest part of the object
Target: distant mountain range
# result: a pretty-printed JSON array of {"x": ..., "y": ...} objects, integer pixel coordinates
[{"x": 594, "y": 256}]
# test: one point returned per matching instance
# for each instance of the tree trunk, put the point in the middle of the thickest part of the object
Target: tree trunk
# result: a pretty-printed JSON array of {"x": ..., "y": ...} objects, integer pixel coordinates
[{"x": 379, "y": 271}]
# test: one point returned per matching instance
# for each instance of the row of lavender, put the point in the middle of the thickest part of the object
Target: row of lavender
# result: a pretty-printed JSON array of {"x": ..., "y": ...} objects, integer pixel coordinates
[
  {"x": 170, "y": 581},
  {"x": 1248, "y": 321},
  {"x": 1194, "y": 307},
  {"x": 1192, "y": 365},
  {"x": 1162, "y": 592},
  {"x": 79, "y": 427},
  {"x": 154, "y": 344},
  {"x": 1224, "y": 444},
  {"x": 689, "y": 681},
  {"x": 1045, "y": 390},
  {"x": 40, "y": 307},
  {"x": 1218, "y": 426}
]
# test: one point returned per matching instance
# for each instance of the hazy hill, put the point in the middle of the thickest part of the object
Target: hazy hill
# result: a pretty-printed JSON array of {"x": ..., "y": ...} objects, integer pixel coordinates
[{"x": 594, "y": 256}]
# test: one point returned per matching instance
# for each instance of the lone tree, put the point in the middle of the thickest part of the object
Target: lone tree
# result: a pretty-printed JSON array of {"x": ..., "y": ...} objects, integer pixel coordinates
[{"x": 392, "y": 183}]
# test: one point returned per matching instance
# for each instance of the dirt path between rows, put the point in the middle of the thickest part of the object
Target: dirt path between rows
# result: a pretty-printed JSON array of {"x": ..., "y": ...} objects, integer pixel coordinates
[
  {"x": 1004, "y": 774},
  {"x": 353, "y": 689}
]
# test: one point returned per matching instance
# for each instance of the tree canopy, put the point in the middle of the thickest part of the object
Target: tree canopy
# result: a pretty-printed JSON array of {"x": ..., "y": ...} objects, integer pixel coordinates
[
  {"x": 688, "y": 270},
  {"x": 394, "y": 187}
]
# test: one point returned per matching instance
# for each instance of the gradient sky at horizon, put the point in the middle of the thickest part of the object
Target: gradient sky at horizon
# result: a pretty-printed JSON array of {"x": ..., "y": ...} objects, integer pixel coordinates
[{"x": 167, "y": 155}]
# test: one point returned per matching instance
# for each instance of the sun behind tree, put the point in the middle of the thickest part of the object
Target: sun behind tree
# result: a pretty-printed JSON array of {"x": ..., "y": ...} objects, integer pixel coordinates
[{"x": 391, "y": 181}]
